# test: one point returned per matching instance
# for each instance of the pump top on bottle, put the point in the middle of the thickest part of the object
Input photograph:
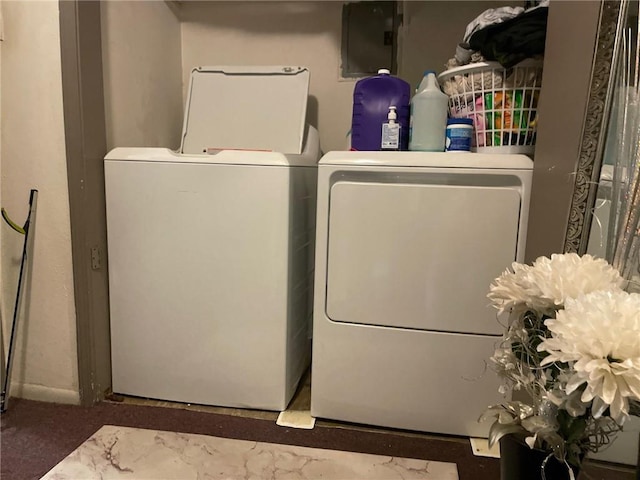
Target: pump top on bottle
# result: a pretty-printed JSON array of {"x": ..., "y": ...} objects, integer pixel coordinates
[
  {"x": 428, "y": 116},
  {"x": 392, "y": 116}
]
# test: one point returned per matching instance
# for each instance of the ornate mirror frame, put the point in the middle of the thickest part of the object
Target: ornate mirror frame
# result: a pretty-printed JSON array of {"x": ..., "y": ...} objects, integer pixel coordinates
[{"x": 587, "y": 174}]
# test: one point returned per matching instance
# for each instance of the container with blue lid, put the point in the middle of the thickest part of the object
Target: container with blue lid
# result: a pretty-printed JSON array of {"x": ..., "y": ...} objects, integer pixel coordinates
[{"x": 459, "y": 135}]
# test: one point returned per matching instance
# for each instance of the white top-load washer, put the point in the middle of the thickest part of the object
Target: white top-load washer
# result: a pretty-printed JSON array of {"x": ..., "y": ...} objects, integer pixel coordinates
[
  {"x": 407, "y": 245},
  {"x": 211, "y": 248}
]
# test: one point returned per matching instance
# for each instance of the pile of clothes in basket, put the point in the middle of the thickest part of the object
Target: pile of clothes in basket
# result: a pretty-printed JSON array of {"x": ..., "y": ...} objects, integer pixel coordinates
[{"x": 495, "y": 75}]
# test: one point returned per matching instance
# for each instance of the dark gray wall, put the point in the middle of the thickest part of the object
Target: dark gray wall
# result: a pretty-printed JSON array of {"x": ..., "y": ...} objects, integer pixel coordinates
[
  {"x": 571, "y": 37},
  {"x": 84, "y": 121}
]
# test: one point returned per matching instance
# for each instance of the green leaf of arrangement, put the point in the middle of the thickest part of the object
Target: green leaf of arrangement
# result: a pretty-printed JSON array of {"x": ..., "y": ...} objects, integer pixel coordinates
[
  {"x": 498, "y": 430},
  {"x": 538, "y": 424},
  {"x": 555, "y": 442},
  {"x": 575, "y": 430}
]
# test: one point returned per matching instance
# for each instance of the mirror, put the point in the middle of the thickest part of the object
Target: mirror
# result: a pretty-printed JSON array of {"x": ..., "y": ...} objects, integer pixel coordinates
[{"x": 605, "y": 208}]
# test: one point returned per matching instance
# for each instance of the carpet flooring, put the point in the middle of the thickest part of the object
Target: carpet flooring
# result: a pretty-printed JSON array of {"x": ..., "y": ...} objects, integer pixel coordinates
[{"x": 35, "y": 436}]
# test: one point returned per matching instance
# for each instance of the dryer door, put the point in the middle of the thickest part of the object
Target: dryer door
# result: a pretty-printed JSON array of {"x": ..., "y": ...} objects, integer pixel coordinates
[{"x": 420, "y": 255}]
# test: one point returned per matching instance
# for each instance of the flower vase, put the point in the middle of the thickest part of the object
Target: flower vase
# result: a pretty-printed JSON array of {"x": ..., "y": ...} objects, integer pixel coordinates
[{"x": 519, "y": 462}]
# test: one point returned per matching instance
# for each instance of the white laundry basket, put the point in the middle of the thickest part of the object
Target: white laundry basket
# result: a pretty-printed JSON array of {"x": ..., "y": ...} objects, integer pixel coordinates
[{"x": 501, "y": 102}]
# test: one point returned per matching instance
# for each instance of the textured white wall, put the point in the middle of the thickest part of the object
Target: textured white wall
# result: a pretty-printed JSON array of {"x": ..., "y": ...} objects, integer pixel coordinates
[
  {"x": 309, "y": 34},
  {"x": 431, "y": 31},
  {"x": 276, "y": 33},
  {"x": 142, "y": 74},
  {"x": 33, "y": 156}
]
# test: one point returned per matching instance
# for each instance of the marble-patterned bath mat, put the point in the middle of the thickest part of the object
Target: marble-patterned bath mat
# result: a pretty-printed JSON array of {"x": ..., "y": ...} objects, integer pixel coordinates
[{"x": 132, "y": 453}]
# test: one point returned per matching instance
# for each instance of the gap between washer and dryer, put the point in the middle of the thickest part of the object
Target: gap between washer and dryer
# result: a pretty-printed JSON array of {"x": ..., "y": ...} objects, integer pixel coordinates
[{"x": 298, "y": 412}]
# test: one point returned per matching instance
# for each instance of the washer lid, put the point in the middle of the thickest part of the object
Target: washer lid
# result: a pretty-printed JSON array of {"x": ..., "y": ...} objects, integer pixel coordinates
[{"x": 245, "y": 108}]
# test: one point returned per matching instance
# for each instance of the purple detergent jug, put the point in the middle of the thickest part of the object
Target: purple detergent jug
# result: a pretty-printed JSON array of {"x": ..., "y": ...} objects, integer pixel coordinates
[{"x": 372, "y": 98}]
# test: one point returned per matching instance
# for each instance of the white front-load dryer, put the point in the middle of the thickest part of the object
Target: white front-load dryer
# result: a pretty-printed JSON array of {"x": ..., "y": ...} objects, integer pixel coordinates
[{"x": 407, "y": 245}]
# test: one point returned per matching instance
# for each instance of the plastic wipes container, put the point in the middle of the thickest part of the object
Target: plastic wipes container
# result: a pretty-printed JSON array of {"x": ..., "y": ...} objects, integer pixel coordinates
[
  {"x": 373, "y": 98},
  {"x": 459, "y": 135}
]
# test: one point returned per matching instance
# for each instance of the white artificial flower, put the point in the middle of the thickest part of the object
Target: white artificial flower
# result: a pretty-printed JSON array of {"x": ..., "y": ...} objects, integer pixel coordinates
[
  {"x": 549, "y": 282},
  {"x": 511, "y": 288},
  {"x": 599, "y": 336}
]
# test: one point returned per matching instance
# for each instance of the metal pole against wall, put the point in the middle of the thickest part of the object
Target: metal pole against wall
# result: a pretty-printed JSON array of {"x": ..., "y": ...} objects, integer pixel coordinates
[{"x": 26, "y": 256}]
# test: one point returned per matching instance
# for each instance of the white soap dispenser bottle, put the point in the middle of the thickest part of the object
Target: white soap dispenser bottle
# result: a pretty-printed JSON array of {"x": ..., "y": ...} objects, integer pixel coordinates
[{"x": 391, "y": 131}]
